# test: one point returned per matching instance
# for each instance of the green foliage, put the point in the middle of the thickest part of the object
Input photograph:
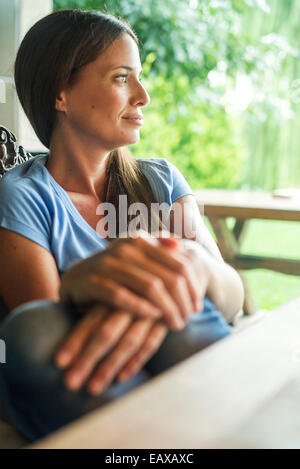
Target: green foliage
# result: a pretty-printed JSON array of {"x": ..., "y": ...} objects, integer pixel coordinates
[
  {"x": 184, "y": 39},
  {"x": 200, "y": 140}
]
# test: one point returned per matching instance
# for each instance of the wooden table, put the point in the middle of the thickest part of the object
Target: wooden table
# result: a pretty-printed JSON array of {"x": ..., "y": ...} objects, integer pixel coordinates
[
  {"x": 217, "y": 205},
  {"x": 247, "y": 381}
]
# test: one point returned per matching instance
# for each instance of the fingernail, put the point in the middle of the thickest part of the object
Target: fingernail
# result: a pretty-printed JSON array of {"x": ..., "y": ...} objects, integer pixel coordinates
[
  {"x": 179, "y": 323},
  {"x": 124, "y": 377},
  {"x": 63, "y": 359},
  {"x": 169, "y": 242},
  {"x": 96, "y": 387},
  {"x": 73, "y": 381}
]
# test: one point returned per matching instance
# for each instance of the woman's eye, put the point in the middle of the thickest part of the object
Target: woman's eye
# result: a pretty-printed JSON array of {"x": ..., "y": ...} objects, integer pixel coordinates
[{"x": 122, "y": 78}]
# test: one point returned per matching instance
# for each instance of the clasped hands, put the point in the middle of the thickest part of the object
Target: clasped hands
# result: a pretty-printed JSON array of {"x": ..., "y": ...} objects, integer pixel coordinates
[{"x": 129, "y": 295}]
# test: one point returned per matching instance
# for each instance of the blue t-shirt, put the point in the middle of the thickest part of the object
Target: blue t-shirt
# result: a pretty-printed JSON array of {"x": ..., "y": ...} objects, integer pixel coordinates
[{"x": 34, "y": 205}]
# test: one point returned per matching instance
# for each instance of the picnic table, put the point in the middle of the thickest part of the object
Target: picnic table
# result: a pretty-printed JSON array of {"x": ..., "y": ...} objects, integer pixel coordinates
[
  {"x": 217, "y": 205},
  {"x": 242, "y": 391}
]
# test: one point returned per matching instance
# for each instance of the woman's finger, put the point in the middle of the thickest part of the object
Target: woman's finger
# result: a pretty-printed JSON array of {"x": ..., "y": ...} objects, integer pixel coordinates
[
  {"x": 90, "y": 282},
  {"x": 175, "y": 261},
  {"x": 102, "y": 339},
  {"x": 148, "y": 349},
  {"x": 141, "y": 280},
  {"x": 169, "y": 242},
  {"x": 72, "y": 346},
  {"x": 129, "y": 344},
  {"x": 175, "y": 283},
  {"x": 100, "y": 288}
]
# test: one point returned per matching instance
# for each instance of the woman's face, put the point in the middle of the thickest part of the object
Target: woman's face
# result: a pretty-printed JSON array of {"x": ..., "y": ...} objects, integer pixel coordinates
[{"x": 105, "y": 101}]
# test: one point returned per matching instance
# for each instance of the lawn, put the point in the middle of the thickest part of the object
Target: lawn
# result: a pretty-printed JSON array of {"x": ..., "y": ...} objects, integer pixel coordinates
[{"x": 273, "y": 238}]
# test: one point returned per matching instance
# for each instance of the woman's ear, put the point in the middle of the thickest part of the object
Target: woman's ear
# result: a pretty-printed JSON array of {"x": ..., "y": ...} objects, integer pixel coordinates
[{"x": 60, "y": 102}]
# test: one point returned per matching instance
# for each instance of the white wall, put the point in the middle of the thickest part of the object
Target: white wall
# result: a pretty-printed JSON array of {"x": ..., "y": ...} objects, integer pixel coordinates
[{"x": 16, "y": 17}]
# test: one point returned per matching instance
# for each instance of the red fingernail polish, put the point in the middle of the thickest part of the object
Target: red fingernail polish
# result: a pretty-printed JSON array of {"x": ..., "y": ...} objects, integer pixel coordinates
[{"x": 171, "y": 243}]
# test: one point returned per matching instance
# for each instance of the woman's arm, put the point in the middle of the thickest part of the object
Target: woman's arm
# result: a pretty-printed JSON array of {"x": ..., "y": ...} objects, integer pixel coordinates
[
  {"x": 119, "y": 277},
  {"x": 28, "y": 271},
  {"x": 225, "y": 287}
]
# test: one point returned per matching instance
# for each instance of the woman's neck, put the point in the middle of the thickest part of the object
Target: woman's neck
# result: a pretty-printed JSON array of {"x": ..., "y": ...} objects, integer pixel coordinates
[{"x": 76, "y": 165}]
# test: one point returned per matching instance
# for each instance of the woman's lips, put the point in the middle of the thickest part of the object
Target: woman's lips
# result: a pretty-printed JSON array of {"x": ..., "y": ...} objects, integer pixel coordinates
[{"x": 134, "y": 120}]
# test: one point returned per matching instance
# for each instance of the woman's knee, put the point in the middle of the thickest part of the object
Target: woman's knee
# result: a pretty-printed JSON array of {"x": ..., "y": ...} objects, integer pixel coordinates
[
  {"x": 202, "y": 329},
  {"x": 33, "y": 331},
  {"x": 32, "y": 385}
]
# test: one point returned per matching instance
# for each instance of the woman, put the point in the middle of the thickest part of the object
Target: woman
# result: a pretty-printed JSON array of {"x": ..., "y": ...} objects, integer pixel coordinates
[{"x": 77, "y": 75}]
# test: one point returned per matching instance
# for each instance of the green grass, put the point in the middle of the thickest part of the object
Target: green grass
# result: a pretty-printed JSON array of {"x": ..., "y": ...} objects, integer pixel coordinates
[{"x": 272, "y": 238}]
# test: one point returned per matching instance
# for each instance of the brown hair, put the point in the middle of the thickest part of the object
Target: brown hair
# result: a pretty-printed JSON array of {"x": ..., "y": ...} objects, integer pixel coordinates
[{"x": 49, "y": 55}]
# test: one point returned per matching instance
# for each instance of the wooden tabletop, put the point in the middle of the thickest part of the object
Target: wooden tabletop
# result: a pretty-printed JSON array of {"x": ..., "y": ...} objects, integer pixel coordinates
[
  {"x": 205, "y": 400},
  {"x": 248, "y": 204}
]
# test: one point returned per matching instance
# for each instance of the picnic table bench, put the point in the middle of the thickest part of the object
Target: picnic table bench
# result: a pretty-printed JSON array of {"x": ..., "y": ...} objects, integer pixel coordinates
[{"x": 217, "y": 205}]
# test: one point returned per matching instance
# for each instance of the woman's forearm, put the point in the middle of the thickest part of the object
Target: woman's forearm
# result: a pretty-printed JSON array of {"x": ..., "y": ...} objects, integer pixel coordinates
[
  {"x": 225, "y": 288},
  {"x": 222, "y": 283}
]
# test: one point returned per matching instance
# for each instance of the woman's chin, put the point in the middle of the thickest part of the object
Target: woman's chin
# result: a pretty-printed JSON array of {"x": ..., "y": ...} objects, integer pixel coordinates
[{"x": 132, "y": 139}]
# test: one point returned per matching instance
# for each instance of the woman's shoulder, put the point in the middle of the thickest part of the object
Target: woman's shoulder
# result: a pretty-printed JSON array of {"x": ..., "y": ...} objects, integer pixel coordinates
[
  {"x": 157, "y": 167},
  {"x": 24, "y": 190},
  {"x": 157, "y": 172},
  {"x": 24, "y": 172},
  {"x": 24, "y": 207},
  {"x": 167, "y": 182},
  {"x": 26, "y": 178},
  {"x": 154, "y": 163}
]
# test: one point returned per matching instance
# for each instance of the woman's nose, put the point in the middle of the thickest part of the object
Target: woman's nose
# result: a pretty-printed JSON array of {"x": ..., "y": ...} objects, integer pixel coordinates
[{"x": 141, "y": 97}]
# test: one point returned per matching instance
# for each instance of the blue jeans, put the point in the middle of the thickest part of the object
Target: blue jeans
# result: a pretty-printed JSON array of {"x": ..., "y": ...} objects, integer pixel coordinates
[{"x": 31, "y": 385}]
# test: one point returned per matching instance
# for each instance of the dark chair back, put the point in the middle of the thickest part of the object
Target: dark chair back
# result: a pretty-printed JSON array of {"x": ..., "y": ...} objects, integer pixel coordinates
[{"x": 11, "y": 154}]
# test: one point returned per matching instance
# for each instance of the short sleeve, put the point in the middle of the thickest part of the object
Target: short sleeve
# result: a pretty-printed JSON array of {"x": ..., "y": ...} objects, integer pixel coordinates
[
  {"x": 23, "y": 210},
  {"x": 180, "y": 186},
  {"x": 166, "y": 181}
]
